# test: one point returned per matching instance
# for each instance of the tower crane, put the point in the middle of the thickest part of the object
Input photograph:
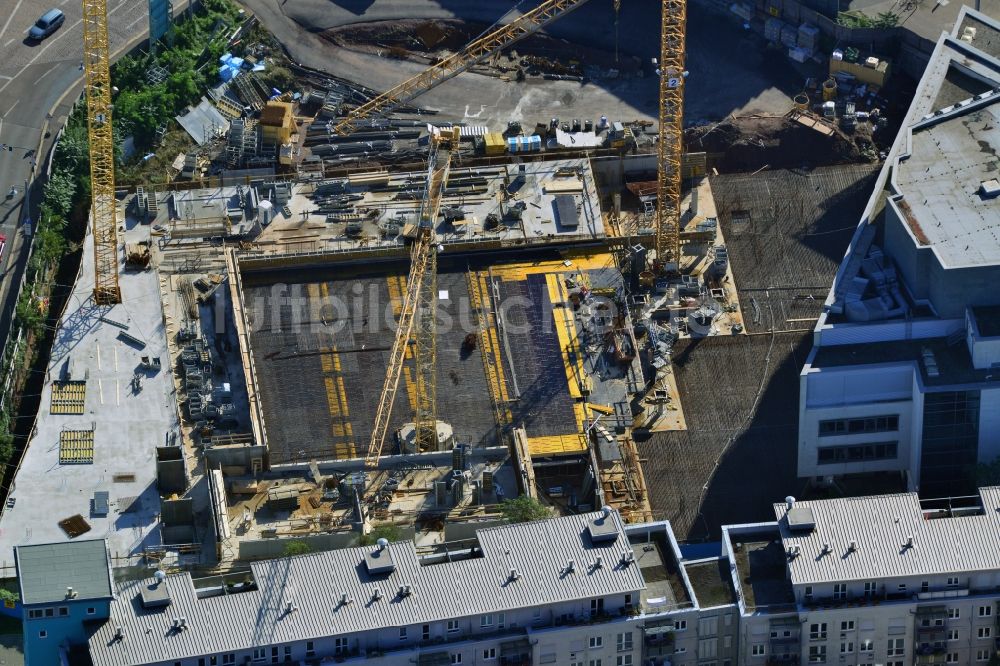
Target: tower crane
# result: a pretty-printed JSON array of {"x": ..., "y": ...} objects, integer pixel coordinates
[
  {"x": 417, "y": 317},
  {"x": 474, "y": 52},
  {"x": 673, "y": 20},
  {"x": 97, "y": 66}
]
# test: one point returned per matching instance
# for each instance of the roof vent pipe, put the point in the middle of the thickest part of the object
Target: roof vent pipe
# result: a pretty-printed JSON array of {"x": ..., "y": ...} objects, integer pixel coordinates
[
  {"x": 383, "y": 543},
  {"x": 909, "y": 542},
  {"x": 377, "y": 594},
  {"x": 605, "y": 511},
  {"x": 826, "y": 549},
  {"x": 70, "y": 593},
  {"x": 598, "y": 562},
  {"x": 345, "y": 599},
  {"x": 853, "y": 546},
  {"x": 789, "y": 503},
  {"x": 119, "y": 633},
  {"x": 513, "y": 575},
  {"x": 570, "y": 566}
]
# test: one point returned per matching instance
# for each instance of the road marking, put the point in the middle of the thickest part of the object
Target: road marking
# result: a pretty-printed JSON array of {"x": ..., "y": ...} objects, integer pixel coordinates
[
  {"x": 129, "y": 26},
  {"x": 9, "y": 42},
  {"x": 47, "y": 72},
  {"x": 7, "y": 112},
  {"x": 7, "y": 23}
]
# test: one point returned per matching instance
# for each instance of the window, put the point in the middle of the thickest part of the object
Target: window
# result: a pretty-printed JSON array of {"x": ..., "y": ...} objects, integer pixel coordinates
[
  {"x": 595, "y": 662},
  {"x": 91, "y": 610},
  {"x": 259, "y": 654},
  {"x": 63, "y": 611},
  {"x": 35, "y": 614},
  {"x": 425, "y": 632},
  {"x": 623, "y": 660},
  {"x": 214, "y": 661},
  {"x": 340, "y": 645},
  {"x": 857, "y": 426},
  {"x": 809, "y": 592},
  {"x": 984, "y": 632},
  {"x": 847, "y": 625},
  {"x": 817, "y": 631},
  {"x": 925, "y": 586},
  {"x": 953, "y": 634},
  {"x": 628, "y": 599},
  {"x": 310, "y": 649},
  {"x": 456, "y": 657},
  {"x": 902, "y": 588},
  {"x": 229, "y": 658},
  {"x": 274, "y": 655},
  {"x": 485, "y": 621},
  {"x": 680, "y": 650},
  {"x": 846, "y": 647},
  {"x": 985, "y": 611},
  {"x": 43, "y": 634},
  {"x": 817, "y": 654},
  {"x": 982, "y": 655},
  {"x": 954, "y": 613},
  {"x": 624, "y": 641},
  {"x": 452, "y": 626},
  {"x": 866, "y": 645},
  {"x": 953, "y": 581},
  {"x": 840, "y": 590},
  {"x": 596, "y": 606},
  {"x": 870, "y": 588},
  {"x": 50, "y": 612},
  {"x": 501, "y": 620},
  {"x": 757, "y": 650},
  {"x": 895, "y": 647},
  {"x": 680, "y": 625},
  {"x": 402, "y": 633},
  {"x": 489, "y": 654},
  {"x": 951, "y": 658},
  {"x": 596, "y": 641}
]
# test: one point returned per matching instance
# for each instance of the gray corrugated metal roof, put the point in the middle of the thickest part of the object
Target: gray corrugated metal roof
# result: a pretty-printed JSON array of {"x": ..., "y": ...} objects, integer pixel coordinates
[
  {"x": 881, "y": 525},
  {"x": 44, "y": 571},
  {"x": 315, "y": 583}
]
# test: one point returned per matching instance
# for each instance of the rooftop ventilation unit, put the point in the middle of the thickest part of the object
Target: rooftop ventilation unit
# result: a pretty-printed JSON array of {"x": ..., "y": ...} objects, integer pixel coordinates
[
  {"x": 825, "y": 549},
  {"x": 70, "y": 593},
  {"x": 599, "y": 562},
  {"x": 628, "y": 557},
  {"x": 909, "y": 542},
  {"x": 119, "y": 633},
  {"x": 603, "y": 527},
  {"x": 852, "y": 547},
  {"x": 345, "y": 599},
  {"x": 794, "y": 551},
  {"x": 377, "y": 594},
  {"x": 290, "y": 607},
  {"x": 379, "y": 561},
  {"x": 513, "y": 575},
  {"x": 570, "y": 567},
  {"x": 789, "y": 503},
  {"x": 405, "y": 591}
]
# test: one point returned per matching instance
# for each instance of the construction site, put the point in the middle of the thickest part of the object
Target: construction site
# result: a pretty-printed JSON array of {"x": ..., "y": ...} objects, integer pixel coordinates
[{"x": 346, "y": 317}]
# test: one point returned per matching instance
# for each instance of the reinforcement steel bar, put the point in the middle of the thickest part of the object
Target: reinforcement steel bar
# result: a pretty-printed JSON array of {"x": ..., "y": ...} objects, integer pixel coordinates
[{"x": 473, "y": 53}]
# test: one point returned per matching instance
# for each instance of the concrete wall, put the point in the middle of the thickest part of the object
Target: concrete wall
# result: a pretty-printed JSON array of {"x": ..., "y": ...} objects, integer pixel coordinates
[
  {"x": 262, "y": 549},
  {"x": 989, "y": 424},
  {"x": 460, "y": 531},
  {"x": 233, "y": 456}
]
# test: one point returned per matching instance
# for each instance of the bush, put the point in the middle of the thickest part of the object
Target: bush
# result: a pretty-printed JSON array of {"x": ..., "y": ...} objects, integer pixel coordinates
[
  {"x": 524, "y": 509},
  {"x": 388, "y": 532},
  {"x": 297, "y": 548}
]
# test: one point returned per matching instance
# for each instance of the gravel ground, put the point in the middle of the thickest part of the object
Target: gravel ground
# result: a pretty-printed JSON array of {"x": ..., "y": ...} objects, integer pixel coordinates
[{"x": 738, "y": 79}]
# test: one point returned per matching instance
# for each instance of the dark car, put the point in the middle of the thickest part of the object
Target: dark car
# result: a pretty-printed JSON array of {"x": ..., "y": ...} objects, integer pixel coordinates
[{"x": 46, "y": 25}]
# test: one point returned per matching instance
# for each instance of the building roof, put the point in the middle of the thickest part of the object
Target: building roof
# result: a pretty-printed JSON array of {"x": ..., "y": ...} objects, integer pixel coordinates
[
  {"x": 46, "y": 571},
  {"x": 315, "y": 584},
  {"x": 881, "y": 525}
]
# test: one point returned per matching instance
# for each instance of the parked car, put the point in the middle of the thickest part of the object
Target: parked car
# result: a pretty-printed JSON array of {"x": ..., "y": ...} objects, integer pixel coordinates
[
  {"x": 46, "y": 25},
  {"x": 3, "y": 244}
]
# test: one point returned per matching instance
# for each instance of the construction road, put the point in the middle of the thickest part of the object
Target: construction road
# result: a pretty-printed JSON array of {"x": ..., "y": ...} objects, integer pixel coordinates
[{"x": 714, "y": 46}]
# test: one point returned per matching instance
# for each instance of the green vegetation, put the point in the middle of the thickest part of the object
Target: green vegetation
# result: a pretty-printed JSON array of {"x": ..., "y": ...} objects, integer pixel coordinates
[
  {"x": 524, "y": 509},
  {"x": 140, "y": 109},
  {"x": 388, "y": 532},
  {"x": 858, "y": 19},
  {"x": 297, "y": 548},
  {"x": 191, "y": 65}
]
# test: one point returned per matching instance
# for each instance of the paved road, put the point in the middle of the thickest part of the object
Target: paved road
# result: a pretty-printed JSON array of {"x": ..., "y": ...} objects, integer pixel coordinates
[
  {"x": 714, "y": 46},
  {"x": 33, "y": 78}
]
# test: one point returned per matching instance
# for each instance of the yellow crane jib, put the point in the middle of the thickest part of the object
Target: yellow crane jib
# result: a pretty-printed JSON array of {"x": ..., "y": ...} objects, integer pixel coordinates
[
  {"x": 416, "y": 318},
  {"x": 673, "y": 20},
  {"x": 475, "y": 52},
  {"x": 97, "y": 90}
]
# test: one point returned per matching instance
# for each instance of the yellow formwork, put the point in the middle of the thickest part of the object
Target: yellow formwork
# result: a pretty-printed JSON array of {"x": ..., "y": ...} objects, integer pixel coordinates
[
  {"x": 68, "y": 397},
  {"x": 76, "y": 447},
  {"x": 336, "y": 392},
  {"x": 557, "y": 445}
]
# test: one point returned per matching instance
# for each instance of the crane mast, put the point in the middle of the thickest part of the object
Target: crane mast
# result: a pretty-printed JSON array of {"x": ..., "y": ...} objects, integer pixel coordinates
[
  {"x": 417, "y": 316},
  {"x": 673, "y": 19},
  {"x": 474, "y": 52},
  {"x": 97, "y": 65}
]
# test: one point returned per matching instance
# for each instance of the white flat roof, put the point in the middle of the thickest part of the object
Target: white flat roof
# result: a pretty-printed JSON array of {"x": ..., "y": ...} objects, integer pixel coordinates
[{"x": 126, "y": 426}]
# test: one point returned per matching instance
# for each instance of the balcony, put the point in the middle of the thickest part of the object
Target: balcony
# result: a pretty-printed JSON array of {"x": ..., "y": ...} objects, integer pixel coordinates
[{"x": 782, "y": 659}]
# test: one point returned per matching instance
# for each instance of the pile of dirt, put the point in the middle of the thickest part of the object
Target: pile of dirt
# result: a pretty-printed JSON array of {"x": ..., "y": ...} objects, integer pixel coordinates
[
  {"x": 751, "y": 143},
  {"x": 430, "y": 40}
]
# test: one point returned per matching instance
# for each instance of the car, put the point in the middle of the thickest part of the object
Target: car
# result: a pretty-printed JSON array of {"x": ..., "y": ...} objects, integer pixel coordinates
[
  {"x": 3, "y": 244},
  {"x": 46, "y": 25}
]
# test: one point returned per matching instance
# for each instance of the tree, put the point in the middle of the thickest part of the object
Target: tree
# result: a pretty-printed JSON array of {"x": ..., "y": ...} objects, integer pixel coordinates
[
  {"x": 297, "y": 548},
  {"x": 27, "y": 313},
  {"x": 886, "y": 20},
  {"x": 388, "y": 531},
  {"x": 59, "y": 192},
  {"x": 524, "y": 509}
]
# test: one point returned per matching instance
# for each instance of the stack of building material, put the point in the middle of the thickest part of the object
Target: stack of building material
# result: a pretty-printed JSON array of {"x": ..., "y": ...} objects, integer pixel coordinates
[
  {"x": 789, "y": 36},
  {"x": 772, "y": 29}
]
